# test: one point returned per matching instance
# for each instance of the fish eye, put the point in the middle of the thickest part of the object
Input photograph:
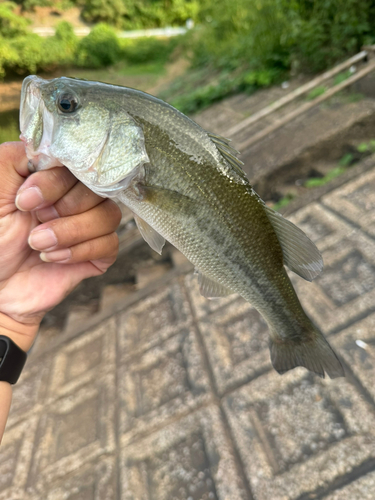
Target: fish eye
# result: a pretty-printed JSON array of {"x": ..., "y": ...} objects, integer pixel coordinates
[{"x": 67, "y": 103}]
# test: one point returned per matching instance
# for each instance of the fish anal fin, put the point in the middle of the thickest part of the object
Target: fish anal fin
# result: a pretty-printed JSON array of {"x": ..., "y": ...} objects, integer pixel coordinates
[
  {"x": 152, "y": 237},
  {"x": 316, "y": 355},
  {"x": 211, "y": 289},
  {"x": 300, "y": 253}
]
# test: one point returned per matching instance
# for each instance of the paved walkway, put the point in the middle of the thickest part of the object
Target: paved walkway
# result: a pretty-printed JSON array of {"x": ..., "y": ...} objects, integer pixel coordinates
[{"x": 173, "y": 396}]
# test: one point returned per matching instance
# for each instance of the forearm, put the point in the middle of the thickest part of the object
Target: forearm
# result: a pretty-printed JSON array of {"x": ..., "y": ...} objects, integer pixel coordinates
[
  {"x": 23, "y": 336},
  {"x": 5, "y": 400}
]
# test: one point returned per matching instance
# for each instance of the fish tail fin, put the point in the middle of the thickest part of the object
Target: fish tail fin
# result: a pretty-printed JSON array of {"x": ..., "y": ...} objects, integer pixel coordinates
[{"x": 314, "y": 354}]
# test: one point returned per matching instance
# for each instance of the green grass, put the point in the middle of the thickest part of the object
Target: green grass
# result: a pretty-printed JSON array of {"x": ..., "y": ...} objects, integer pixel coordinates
[
  {"x": 322, "y": 181},
  {"x": 153, "y": 68},
  {"x": 341, "y": 77},
  {"x": 284, "y": 201},
  {"x": 366, "y": 147},
  {"x": 315, "y": 93},
  {"x": 346, "y": 160}
]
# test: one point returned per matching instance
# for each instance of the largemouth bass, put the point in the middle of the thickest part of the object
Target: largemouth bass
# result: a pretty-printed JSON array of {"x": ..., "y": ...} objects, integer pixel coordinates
[{"x": 186, "y": 186}]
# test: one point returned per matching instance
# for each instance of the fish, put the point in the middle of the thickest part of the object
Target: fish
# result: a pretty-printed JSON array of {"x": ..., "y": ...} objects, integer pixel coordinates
[{"x": 187, "y": 186}]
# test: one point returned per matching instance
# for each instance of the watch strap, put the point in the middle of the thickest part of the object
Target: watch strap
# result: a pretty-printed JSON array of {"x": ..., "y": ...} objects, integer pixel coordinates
[{"x": 12, "y": 360}]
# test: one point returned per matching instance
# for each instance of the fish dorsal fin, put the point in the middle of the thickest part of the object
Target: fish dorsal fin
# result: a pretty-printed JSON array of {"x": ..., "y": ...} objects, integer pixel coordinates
[
  {"x": 229, "y": 154},
  {"x": 152, "y": 237},
  {"x": 300, "y": 253},
  {"x": 211, "y": 289}
]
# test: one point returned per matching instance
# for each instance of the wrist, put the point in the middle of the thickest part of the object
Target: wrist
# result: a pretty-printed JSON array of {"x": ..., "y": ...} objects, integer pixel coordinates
[
  {"x": 5, "y": 400},
  {"x": 22, "y": 334}
]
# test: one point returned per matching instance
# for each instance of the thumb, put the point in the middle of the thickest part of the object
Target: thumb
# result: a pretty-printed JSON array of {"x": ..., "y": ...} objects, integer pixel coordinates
[{"x": 13, "y": 168}]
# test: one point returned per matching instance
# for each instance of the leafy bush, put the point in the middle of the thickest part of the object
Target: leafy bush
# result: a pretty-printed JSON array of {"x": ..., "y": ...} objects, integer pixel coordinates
[
  {"x": 330, "y": 30},
  {"x": 236, "y": 33},
  {"x": 11, "y": 24},
  {"x": 29, "y": 53},
  {"x": 108, "y": 11},
  {"x": 307, "y": 35},
  {"x": 8, "y": 56},
  {"x": 259, "y": 42},
  {"x": 99, "y": 48},
  {"x": 29, "y": 50},
  {"x": 30, "y": 5},
  {"x": 61, "y": 48},
  {"x": 159, "y": 13}
]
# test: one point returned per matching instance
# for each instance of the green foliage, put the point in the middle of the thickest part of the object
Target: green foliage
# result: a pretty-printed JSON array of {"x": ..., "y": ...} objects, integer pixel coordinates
[
  {"x": 322, "y": 181},
  {"x": 329, "y": 30},
  {"x": 107, "y": 11},
  {"x": 341, "y": 77},
  {"x": 159, "y": 13},
  {"x": 139, "y": 14},
  {"x": 8, "y": 56},
  {"x": 202, "y": 97},
  {"x": 366, "y": 147},
  {"x": 320, "y": 90},
  {"x": 285, "y": 200},
  {"x": 10, "y": 132},
  {"x": 63, "y": 45},
  {"x": 30, "y": 5},
  {"x": 346, "y": 160},
  {"x": 145, "y": 50},
  {"x": 259, "y": 35},
  {"x": 281, "y": 35},
  {"x": 29, "y": 53},
  {"x": 99, "y": 48},
  {"x": 10, "y": 23},
  {"x": 29, "y": 49},
  {"x": 191, "y": 97}
]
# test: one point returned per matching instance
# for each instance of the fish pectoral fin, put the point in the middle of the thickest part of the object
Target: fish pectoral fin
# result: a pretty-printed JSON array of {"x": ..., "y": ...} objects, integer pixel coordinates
[
  {"x": 212, "y": 289},
  {"x": 152, "y": 237},
  {"x": 299, "y": 252},
  {"x": 170, "y": 202}
]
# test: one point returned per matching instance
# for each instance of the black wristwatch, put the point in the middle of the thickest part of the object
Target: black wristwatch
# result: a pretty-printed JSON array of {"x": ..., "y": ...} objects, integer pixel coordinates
[{"x": 12, "y": 360}]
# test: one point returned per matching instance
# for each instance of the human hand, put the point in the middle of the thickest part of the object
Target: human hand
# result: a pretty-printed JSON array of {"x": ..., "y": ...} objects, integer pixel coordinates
[{"x": 42, "y": 263}]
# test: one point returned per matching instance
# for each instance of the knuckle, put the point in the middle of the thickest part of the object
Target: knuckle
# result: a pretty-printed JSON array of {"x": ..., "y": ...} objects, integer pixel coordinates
[
  {"x": 115, "y": 242},
  {"x": 113, "y": 211},
  {"x": 66, "y": 231},
  {"x": 65, "y": 207},
  {"x": 62, "y": 177}
]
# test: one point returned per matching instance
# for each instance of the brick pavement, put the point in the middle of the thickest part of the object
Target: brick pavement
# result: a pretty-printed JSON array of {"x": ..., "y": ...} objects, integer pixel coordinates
[{"x": 174, "y": 398}]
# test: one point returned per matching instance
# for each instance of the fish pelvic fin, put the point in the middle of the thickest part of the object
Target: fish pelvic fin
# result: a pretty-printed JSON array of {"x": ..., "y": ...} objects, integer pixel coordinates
[{"x": 315, "y": 354}]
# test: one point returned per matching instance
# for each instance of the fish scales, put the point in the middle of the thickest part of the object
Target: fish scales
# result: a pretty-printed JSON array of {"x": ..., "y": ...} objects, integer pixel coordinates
[
  {"x": 184, "y": 185},
  {"x": 244, "y": 229}
]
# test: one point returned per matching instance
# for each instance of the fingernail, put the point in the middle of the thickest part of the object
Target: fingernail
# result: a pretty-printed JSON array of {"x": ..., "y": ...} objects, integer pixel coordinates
[
  {"x": 47, "y": 214},
  {"x": 29, "y": 199},
  {"x": 42, "y": 239},
  {"x": 57, "y": 255}
]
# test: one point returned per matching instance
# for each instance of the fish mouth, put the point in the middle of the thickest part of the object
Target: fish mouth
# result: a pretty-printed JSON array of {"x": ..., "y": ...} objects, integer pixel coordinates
[{"x": 36, "y": 125}]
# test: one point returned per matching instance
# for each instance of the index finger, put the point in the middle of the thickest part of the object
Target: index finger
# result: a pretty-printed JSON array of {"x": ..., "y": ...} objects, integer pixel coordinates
[
  {"x": 12, "y": 154},
  {"x": 42, "y": 189},
  {"x": 13, "y": 167}
]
